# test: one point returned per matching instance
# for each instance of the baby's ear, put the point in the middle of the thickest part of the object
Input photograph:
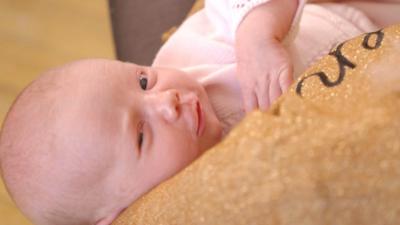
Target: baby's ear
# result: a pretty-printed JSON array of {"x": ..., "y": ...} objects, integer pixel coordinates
[{"x": 108, "y": 219}]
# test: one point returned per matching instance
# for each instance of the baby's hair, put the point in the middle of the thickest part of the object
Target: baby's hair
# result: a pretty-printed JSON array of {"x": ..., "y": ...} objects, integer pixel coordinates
[
  {"x": 28, "y": 141},
  {"x": 20, "y": 142}
]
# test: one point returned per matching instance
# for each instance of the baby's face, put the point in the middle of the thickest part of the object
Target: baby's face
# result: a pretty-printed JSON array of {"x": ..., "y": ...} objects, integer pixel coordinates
[{"x": 133, "y": 126}]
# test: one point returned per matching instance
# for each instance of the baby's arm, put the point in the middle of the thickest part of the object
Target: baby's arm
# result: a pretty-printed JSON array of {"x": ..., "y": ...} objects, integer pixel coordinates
[{"x": 264, "y": 68}]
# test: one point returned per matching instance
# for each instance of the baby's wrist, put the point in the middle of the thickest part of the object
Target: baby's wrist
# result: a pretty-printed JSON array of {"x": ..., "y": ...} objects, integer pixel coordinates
[{"x": 269, "y": 20}]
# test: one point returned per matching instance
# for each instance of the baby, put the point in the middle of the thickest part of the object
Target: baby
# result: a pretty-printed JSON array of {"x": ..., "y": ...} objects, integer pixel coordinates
[{"x": 84, "y": 141}]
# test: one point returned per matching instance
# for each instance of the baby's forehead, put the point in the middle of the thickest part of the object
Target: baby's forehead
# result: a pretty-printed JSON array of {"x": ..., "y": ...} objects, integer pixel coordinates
[
  {"x": 93, "y": 74},
  {"x": 95, "y": 68}
]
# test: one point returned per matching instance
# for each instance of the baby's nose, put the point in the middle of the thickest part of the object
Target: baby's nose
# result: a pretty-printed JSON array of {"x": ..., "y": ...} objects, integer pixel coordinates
[{"x": 168, "y": 104}]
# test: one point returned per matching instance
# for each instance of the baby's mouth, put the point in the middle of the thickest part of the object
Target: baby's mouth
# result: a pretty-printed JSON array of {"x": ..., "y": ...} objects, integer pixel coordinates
[
  {"x": 196, "y": 116},
  {"x": 200, "y": 119}
]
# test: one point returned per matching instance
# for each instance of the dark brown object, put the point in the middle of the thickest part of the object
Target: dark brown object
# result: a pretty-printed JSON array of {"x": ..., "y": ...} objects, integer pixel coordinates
[{"x": 139, "y": 24}]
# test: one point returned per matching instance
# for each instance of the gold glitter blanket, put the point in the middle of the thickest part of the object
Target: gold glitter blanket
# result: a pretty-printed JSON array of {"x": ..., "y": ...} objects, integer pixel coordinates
[{"x": 327, "y": 153}]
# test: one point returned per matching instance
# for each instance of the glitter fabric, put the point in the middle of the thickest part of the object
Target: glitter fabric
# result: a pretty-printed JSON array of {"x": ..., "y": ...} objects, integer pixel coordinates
[{"x": 328, "y": 152}]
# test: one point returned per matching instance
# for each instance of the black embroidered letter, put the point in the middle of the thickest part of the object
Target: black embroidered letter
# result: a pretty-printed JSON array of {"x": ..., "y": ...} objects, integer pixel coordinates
[
  {"x": 342, "y": 62},
  {"x": 379, "y": 38}
]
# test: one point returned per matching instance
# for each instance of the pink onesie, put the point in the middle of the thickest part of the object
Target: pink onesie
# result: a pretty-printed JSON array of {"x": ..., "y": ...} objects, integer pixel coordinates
[{"x": 204, "y": 45}]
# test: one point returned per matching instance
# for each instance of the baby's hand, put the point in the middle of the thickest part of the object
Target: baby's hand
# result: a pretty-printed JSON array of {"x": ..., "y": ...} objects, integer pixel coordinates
[
  {"x": 265, "y": 75},
  {"x": 264, "y": 68}
]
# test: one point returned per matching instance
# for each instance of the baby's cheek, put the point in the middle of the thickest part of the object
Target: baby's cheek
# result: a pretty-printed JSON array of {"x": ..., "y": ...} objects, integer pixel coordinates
[{"x": 184, "y": 154}]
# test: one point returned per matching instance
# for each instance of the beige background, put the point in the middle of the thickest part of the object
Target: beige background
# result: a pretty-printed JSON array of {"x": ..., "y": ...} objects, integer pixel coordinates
[{"x": 36, "y": 35}]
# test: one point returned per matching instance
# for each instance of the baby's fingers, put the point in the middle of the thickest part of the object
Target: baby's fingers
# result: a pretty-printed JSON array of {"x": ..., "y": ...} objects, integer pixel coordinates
[
  {"x": 263, "y": 92},
  {"x": 274, "y": 89},
  {"x": 280, "y": 84},
  {"x": 249, "y": 100},
  {"x": 286, "y": 79}
]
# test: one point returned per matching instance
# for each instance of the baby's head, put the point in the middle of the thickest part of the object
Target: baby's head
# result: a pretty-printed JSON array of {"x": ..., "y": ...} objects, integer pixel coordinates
[{"x": 84, "y": 141}]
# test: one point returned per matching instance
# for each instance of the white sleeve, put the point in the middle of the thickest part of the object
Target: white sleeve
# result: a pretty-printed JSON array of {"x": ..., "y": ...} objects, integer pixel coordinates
[{"x": 226, "y": 15}]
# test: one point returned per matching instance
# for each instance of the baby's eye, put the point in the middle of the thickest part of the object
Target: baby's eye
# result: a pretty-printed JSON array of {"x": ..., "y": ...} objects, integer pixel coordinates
[
  {"x": 140, "y": 137},
  {"x": 143, "y": 81}
]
